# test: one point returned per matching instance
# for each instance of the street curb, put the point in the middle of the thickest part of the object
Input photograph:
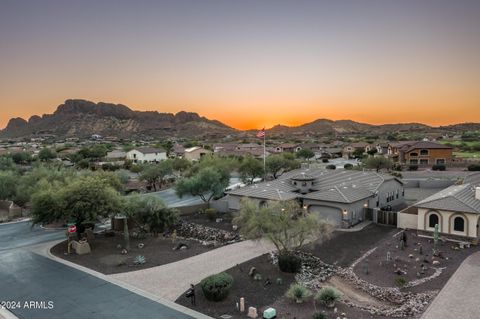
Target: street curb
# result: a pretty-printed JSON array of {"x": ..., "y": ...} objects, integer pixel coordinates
[
  {"x": 5, "y": 314},
  {"x": 16, "y": 221},
  {"x": 44, "y": 250}
]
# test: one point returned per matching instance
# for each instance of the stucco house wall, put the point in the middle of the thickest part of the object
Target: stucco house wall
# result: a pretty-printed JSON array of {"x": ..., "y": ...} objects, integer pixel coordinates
[
  {"x": 407, "y": 221},
  {"x": 446, "y": 219},
  {"x": 389, "y": 187},
  {"x": 135, "y": 155}
]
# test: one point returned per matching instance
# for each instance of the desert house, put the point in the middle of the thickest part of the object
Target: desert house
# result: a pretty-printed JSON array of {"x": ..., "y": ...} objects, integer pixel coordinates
[
  {"x": 340, "y": 197},
  {"x": 455, "y": 209},
  {"x": 146, "y": 155},
  {"x": 420, "y": 153},
  {"x": 195, "y": 153}
]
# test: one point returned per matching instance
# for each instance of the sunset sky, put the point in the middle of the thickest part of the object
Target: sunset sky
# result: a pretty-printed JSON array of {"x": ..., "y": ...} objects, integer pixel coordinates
[{"x": 248, "y": 63}]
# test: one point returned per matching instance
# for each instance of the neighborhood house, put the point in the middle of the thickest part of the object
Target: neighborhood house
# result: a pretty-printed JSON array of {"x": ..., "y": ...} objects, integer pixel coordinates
[
  {"x": 420, "y": 153},
  {"x": 340, "y": 197},
  {"x": 146, "y": 155},
  {"x": 455, "y": 209}
]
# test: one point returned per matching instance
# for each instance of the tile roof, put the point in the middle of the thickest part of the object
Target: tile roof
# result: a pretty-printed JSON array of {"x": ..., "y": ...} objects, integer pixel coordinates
[
  {"x": 459, "y": 198},
  {"x": 473, "y": 179},
  {"x": 426, "y": 145},
  {"x": 149, "y": 150},
  {"x": 343, "y": 186}
]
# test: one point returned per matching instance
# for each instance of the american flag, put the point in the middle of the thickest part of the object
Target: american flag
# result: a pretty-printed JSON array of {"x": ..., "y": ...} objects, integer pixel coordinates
[{"x": 261, "y": 133}]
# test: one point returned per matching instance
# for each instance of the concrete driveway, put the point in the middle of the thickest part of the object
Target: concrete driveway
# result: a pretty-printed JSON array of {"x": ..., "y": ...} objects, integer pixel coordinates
[
  {"x": 461, "y": 295},
  {"x": 45, "y": 289}
]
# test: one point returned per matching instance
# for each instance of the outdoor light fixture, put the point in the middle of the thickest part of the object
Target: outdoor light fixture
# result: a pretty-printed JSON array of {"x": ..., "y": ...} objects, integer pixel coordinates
[
  {"x": 345, "y": 212},
  {"x": 365, "y": 205}
]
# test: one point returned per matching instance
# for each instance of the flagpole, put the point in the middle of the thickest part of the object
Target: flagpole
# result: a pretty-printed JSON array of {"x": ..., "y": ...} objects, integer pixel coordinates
[{"x": 264, "y": 157}]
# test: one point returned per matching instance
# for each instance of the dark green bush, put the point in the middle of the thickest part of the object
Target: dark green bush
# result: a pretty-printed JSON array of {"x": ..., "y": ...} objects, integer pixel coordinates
[
  {"x": 474, "y": 167},
  {"x": 324, "y": 160},
  {"x": 400, "y": 281},
  {"x": 348, "y": 166},
  {"x": 289, "y": 263},
  {"x": 439, "y": 167},
  {"x": 216, "y": 287},
  {"x": 413, "y": 167},
  {"x": 211, "y": 213},
  {"x": 397, "y": 167},
  {"x": 319, "y": 315},
  {"x": 331, "y": 166}
]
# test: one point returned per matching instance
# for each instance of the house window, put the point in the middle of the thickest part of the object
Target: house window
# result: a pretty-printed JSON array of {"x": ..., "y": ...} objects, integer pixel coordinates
[
  {"x": 414, "y": 154},
  {"x": 424, "y": 161},
  {"x": 432, "y": 220},
  {"x": 397, "y": 193},
  {"x": 423, "y": 152},
  {"x": 414, "y": 161},
  {"x": 459, "y": 224},
  {"x": 440, "y": 161}
]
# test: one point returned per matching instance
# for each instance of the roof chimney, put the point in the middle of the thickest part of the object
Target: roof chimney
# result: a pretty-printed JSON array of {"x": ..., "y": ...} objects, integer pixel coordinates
[{"x": 477, "y": 192}]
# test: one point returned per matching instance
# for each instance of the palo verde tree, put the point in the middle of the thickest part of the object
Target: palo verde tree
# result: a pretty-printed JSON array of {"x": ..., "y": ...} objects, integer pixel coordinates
[
  {"x": 47, "y": 154},
  {"x": 378, "y": 163},
  {"x": 155, "y": 174},
  {"x": 249, "y": 169},
  {"x": 305, "y": 154},
  {"x": 278, "y": 163},
  {"x": 207, "y": 183},
  {"x": 8, "y": 184},
  {"x": 80, "y": 200},
  {"x": 284, "y": 223}
]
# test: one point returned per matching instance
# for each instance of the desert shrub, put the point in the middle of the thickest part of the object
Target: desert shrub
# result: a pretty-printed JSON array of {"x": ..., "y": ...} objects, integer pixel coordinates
[
  {"x": 474, "y": 167},
  {"x": 348, "y": 166},
  {"x": 400, "y": 281},
  {"x": 298, "y": 292},
  {"x": 319, "y": 315},
  {"x": 216, "y": 287},
  {"x": 289, "y": 263},
  {"x": 331, "y": 166},
  {"x": 396, "y": 174},
  {"x": 412, "y": 167},
  {"x": 397, "y": 167},
  {"x": 324, "y": 160},
  {"x": 211, "y": 213},
  {"x": 328, "y": 296},
  {"x": 439, "y": 167}
]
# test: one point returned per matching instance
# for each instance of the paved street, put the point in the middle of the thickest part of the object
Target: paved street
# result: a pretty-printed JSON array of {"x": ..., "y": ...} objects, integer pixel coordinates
[
  {"x": 28, "y": 277},
  {"x": 172, "y": 200}
]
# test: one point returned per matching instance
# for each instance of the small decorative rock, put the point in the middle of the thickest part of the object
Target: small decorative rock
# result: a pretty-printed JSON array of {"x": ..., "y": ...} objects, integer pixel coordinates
[
  {"x": 435, "y": 262},
  {"x": 252, "y": 271},
  {"x": 252, "y": 312},
  {"x": 234, "y": 227},
  {"x": 141, "y": 245},
  {"x": 124, "y": 251}
]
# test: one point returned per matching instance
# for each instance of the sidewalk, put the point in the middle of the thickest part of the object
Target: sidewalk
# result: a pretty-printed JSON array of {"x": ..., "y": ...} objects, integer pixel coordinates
[
  {"x": 170, "y": 281},
  {"x": 357, "y": 227},
  {"x": 460, "y": 296}
]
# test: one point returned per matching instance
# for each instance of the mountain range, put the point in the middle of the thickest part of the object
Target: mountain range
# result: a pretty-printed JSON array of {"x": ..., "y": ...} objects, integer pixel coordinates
[{"x": 82, "y": 118}]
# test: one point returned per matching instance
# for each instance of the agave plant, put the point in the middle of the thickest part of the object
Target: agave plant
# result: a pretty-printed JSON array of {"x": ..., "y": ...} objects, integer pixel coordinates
[{"x": 139, "y": 260}]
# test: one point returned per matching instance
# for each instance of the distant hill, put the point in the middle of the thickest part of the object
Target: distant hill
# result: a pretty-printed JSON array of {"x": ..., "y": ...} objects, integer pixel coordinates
[
  {"x": 325, "y": 126},
  {"x": 84, "y": 118}
]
